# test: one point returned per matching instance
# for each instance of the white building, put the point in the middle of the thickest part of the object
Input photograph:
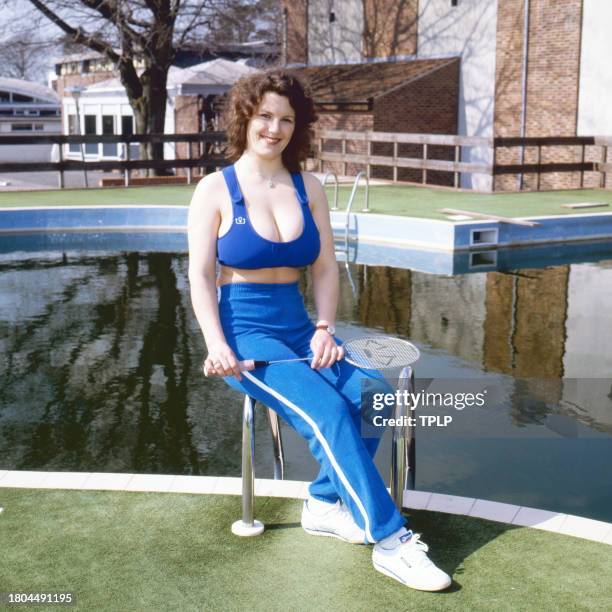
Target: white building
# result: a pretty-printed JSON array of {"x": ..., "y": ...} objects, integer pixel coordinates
[
  {"x": 27, "y": 108},
  {"x": 104, "y": 107}
]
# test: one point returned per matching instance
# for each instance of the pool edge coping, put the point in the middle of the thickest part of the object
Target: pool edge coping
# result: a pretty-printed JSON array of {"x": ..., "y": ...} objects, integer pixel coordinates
[{"x": 501, "y": 512}]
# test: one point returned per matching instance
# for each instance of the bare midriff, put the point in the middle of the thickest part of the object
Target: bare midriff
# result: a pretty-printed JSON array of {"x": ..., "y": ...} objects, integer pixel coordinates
[{"x": 229, "y": 275}]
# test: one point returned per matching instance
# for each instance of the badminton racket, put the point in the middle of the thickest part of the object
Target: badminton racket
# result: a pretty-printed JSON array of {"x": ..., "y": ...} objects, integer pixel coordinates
[{"x": 370, "y": 353}]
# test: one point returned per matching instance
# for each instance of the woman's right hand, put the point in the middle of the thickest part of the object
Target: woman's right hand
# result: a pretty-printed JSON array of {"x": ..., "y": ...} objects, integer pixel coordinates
[{"x": 221, "y": 361}]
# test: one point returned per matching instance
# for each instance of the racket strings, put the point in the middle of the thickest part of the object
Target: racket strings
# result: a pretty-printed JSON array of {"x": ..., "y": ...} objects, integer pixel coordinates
[{"x": 380, "y": 352}]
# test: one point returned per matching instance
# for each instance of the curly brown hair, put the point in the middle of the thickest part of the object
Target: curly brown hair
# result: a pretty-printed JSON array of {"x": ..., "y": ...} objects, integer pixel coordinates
[{"x": 244, "y": 98}]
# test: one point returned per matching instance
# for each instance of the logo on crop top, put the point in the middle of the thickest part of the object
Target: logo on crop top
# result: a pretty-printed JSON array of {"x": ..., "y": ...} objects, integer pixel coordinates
[{"x": 240, "y": 220}]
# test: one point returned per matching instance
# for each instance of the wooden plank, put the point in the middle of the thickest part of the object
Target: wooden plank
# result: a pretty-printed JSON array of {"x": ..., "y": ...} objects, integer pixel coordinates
[
  {"x": 544, "y": 141},
  {"x": 604, "y": 167},
  {"x": 476, "y": 215},
  {"x": 586, "y": 205},
  {"x": 112, "y": 138},
  {"x": 69, "y": 164},
  {"x": 552, "y": 167},
  {"x": 408, "y": 138},
  {"x": 409, "y": 162}
]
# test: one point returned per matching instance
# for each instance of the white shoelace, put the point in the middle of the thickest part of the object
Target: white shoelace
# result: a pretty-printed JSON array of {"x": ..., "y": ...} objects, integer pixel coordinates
[{"x": 415, "y": 552}]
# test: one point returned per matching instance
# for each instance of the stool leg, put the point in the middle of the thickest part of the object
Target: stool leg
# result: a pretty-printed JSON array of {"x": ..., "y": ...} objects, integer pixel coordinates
[
  {"x": 403, "y": 444},
  {"x": 247, "y": 526},
  {"x": 277, "y": 441}
]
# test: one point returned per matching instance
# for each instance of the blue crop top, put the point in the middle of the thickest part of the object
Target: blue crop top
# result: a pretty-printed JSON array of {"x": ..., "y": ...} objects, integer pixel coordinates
[{"x": 243, "y": 248}]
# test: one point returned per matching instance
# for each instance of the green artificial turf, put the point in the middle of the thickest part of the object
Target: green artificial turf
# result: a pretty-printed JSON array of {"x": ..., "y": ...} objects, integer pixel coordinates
[
  {"x": 160, "y": 551},
  {"x": 401, "y": 200}
]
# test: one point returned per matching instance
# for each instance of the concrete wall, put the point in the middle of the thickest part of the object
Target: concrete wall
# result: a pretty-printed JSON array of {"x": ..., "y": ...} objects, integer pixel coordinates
[
  {"x": 469, "y": 31},
  {"x": 338, "y": 42},
  {"x": 595, "y": 97},
  {"x": 30, "y": 152}
]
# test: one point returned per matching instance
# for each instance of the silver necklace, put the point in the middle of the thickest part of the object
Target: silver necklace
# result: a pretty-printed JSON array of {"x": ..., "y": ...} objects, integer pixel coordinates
[{"x": 271, "y": 183}]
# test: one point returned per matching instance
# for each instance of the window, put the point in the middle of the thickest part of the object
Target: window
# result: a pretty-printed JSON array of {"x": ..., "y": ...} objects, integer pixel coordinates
[
  {"x": 454, "y": 2},
  {"x": 5, "y": 97},
  {"x": 90, "y": 128},
  {"x": 21, "y": 127},
  {"x": 109, "y": 149},
  {"x": 21, "y": 98}
]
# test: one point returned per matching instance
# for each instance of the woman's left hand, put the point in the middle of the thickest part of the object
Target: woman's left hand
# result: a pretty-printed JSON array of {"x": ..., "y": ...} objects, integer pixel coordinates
[{"x": 325, "y": 350}]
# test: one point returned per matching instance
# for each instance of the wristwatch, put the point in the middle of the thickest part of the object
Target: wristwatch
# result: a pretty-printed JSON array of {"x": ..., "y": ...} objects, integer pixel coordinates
[{"x": 330, "y": 329}]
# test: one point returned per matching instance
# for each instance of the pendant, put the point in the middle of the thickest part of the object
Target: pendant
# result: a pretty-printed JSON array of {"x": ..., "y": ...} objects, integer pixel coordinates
[{"x": 271, "y": 184}]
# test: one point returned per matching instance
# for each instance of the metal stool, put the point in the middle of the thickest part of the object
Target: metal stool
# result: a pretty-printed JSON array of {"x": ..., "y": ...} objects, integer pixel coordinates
[{"x": 403, "y": 456}]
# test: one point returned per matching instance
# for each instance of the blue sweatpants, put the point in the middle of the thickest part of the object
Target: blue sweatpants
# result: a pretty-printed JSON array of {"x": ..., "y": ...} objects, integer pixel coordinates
[{"x": 269, "y": 321}]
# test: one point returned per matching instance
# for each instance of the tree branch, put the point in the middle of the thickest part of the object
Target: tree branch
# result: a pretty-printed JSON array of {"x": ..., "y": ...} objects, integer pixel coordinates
[{"x": 77, "y": 34}]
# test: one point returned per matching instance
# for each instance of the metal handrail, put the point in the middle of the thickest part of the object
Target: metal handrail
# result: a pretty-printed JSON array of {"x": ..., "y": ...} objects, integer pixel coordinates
[
  {"x": 403, "y": 448},
  {"x": 354, "y": 191},
  {"x": 324, "y": 181}
]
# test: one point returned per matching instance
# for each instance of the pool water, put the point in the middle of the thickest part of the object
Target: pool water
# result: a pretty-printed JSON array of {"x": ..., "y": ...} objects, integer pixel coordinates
[{"x": 101, "y": 371}]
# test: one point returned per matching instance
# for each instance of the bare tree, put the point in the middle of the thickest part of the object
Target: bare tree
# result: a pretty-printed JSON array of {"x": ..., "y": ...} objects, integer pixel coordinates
[
  {"x": 128, "y": 32},
  {"x": 243, "y": 21},
  {"x": 24, "y": 58}
]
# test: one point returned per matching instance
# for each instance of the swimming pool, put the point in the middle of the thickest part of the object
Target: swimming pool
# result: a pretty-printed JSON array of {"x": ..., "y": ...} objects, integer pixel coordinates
[{"x": 101, "y": 360}]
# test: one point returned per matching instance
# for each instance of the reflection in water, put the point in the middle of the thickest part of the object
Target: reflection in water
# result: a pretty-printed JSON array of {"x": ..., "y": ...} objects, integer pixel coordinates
[{"x": 101, "y": 362}]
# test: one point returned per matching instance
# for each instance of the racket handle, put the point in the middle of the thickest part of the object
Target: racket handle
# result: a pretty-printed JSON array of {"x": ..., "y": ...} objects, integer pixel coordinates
[{"x": 250, "y": 364}]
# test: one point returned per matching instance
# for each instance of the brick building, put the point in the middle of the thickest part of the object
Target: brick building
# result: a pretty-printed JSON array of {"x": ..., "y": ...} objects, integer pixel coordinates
[
  {"x": 414, "y": 96},
  {"x": 527, "y": 67}
]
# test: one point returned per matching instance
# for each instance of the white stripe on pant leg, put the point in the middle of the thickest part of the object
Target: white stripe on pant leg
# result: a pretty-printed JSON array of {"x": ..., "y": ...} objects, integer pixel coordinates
[{"x": 324, "y": 444}]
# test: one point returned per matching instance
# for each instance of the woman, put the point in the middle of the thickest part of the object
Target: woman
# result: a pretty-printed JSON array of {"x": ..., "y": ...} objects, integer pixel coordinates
[{"x": 263, "y": 219}]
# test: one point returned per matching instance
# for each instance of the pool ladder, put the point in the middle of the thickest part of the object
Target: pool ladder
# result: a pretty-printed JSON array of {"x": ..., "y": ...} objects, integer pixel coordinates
[{"x": 345, "y": 250}]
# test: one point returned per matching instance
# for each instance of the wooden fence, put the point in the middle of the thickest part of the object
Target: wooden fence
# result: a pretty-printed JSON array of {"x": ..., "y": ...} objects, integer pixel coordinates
[
  {"x": 367, "y": 160},
  {"x": 214, "y": 140},
  {"x": 210, "y": 146}
]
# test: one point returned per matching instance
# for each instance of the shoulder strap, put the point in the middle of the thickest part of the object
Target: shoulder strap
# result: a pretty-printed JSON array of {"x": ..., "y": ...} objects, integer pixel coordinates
[
  {"x": 298, "y": 183},
  {"x": 229, "y": 174}
]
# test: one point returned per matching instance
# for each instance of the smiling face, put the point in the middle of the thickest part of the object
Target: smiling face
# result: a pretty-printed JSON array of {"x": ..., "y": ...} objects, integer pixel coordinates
[{"x": 270, "y": 128}]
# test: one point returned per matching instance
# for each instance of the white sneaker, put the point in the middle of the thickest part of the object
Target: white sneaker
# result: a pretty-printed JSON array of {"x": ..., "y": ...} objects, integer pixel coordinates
[
  {"x": 336, "y": 522},
  {"x": 402, "y": 556}
]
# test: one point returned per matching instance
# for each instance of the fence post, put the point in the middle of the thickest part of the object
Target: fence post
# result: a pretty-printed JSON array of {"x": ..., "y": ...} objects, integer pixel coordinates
[
  {"x": 494, "y": 161},
  {"x": 539, "y": 161},
  {"x": 189, "y": 169},
  {"x": 395, "y": 162},
  {"x": 368, "y": 171},
  {"x": 320, "y": 154},
  {"x": 582, "y": 158},
  {"x": 60, "y": 177},
  {"x": 344, "y": 165},
  {"x": 602, "y": 174},
  {"x": 424, "y": 179},
  {"x": 126, "y": 172},
  {"x": 457, "y": 158}
]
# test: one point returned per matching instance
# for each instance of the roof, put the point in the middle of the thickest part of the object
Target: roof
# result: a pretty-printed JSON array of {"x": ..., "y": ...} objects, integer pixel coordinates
[
  {"x": 217, "y": 72},
  {"x": 359, "y": 83},
  {"x": 28, "y": 88},
  {"x": 87, "y": 54}
]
